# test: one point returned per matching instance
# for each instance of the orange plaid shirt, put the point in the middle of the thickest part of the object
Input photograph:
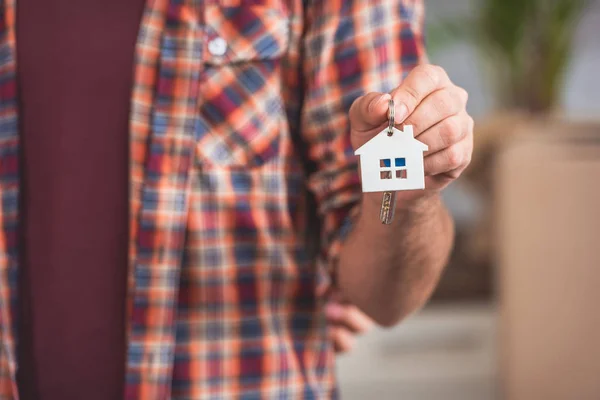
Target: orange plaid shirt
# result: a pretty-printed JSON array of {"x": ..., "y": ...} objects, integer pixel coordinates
[{"x": 239, "y": 139}]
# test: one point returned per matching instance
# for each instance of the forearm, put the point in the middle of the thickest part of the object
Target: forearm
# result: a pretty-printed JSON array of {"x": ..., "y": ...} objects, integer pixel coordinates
[{"x": 390, "y": 271}]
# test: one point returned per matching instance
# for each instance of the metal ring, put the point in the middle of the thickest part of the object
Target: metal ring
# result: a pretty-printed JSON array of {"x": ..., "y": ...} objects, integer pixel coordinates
[{"x": 391, "y": 117}]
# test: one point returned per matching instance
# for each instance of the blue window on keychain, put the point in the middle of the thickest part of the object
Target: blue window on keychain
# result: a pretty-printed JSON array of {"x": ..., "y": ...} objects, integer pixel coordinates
[{"x": 385, "y": 163}]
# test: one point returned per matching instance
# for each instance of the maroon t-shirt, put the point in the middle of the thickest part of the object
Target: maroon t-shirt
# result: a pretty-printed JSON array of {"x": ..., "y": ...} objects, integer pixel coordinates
[{"x": 75, "y": 73}]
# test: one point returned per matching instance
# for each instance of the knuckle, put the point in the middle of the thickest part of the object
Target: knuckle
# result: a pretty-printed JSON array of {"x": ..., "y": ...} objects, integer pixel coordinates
[
  {"x": 451, "y": 132},
  {"x": 469, "y": 155},
  {"x": 441, "y": 72},
  {"x": 454, "y": 174},
  {"x": 432, "y": 72},
  {"x": 462, "y": 95},
  {"x": 471, "y": 123},
  {"x": 455, "y": 157},
  {"x": 439, "y": 68},
  {"x": 455, "y": 101},
  {"x": 348, "y": 344},
  {"x": 359, "y": 326},
  {"x": 344, "y": 347},
  {"x": 413, "y": 95},
  {"x": 445, "y": 103},
  {"x": 468, "y": 158},
  {"x": 361, "y": 329},
  {"x": 343, "y": 341}
]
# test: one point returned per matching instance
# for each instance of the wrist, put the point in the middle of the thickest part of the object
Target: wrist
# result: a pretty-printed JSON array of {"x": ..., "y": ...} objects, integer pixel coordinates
[{"x": 426, "y": 202}]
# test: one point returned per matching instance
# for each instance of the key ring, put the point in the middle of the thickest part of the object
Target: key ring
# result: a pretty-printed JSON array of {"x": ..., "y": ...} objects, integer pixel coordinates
[{"x": 391, "y": 117}]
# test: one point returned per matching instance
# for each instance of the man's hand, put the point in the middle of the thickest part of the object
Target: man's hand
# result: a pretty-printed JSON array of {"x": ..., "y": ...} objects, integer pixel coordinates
[
  {"x": 345, "y": 322},
  {"x": 436, "y": 108},
  {"x": 389, "y": 271}
]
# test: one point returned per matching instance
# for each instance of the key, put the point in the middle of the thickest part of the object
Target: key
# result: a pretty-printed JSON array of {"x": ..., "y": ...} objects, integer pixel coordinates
[
  {"x": 388, "y": 207},
  {"x": 388, "y": 204}
]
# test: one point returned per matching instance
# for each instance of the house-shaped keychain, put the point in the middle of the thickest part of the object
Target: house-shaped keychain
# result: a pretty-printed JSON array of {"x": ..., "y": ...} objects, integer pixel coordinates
[{"x": 392, "y": 162}]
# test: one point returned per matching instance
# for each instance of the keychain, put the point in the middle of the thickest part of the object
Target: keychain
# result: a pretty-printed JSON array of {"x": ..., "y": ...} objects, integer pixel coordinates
[
  {"x": 388, "y": 204},
  {"x": 392, "y": 161}
]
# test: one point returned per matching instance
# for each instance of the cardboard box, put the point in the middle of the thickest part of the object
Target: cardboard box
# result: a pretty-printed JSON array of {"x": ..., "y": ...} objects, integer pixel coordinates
[{"x": 548, "y": 216}]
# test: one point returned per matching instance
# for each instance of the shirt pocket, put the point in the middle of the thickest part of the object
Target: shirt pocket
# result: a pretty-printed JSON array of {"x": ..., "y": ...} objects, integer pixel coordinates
[{"x": 240, "y": 108}]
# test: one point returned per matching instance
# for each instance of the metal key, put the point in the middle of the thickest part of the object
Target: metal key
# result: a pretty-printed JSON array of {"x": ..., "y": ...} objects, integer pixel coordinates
[{"x": 388, "y": 205}]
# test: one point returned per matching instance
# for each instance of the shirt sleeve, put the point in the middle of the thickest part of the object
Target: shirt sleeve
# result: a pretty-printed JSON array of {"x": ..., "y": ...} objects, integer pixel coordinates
[{"x": 350, "y": 48}]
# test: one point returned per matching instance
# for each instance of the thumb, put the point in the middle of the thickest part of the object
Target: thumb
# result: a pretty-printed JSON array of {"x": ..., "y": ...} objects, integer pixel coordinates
[
  {"x": 368, "y": 114},
  {"x": 369, "y": 111}
]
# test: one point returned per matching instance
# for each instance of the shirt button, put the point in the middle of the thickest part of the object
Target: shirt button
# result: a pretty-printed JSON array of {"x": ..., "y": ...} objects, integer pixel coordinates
[{"x": 217, "y": 47}]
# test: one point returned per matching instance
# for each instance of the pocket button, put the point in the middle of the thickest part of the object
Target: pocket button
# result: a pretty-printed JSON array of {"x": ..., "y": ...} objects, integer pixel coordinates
[{"x": 217, "y": 47}]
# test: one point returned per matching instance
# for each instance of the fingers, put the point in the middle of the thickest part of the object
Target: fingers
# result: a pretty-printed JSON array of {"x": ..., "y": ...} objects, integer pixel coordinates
[
  {"x": 447, "y": 132},
  {"x": 452, "y": 160},
  {"x": 369, "y": 111},
  {"x": 437, "y": 107},
  {"x": 420, "y": 83},
  {"x": 343, "y": 340},
  {"x": 348, "y": 317},
  {"x": 345, "y": 322}
]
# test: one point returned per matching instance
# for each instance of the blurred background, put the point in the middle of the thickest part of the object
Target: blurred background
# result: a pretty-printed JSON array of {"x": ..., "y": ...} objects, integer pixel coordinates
[{"x": 516, "y": 314}]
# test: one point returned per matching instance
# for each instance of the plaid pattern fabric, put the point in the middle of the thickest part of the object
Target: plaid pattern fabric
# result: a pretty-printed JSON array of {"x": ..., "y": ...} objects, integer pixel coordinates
[{"x": 232, "y": 153}]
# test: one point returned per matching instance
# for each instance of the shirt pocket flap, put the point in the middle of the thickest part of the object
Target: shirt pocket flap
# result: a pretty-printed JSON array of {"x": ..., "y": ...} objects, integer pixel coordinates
[{"x": 244, "y": 33}]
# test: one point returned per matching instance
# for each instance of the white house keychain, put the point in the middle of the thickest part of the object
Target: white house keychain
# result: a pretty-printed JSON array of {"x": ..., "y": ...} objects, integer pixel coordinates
[{"x": 392, "y": 161}]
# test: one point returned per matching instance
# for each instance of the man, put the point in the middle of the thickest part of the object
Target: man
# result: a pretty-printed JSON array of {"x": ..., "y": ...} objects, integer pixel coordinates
[{"x": 161, "y": 163}]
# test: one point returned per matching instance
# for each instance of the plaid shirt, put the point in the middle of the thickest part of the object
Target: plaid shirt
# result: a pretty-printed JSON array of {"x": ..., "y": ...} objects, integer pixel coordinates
[{"x": 239, "y": 134}]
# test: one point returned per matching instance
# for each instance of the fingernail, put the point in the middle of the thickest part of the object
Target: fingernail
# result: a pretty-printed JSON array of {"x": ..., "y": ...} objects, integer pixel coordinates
[
  {"x": 334, "y": 311},
  {"x": 401, "y": 112},
  {"x": 378, "y": 100}
]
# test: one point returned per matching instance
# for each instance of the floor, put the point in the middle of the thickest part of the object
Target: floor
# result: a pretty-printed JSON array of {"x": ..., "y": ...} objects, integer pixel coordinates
[{"x": 442, "y": 353}]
